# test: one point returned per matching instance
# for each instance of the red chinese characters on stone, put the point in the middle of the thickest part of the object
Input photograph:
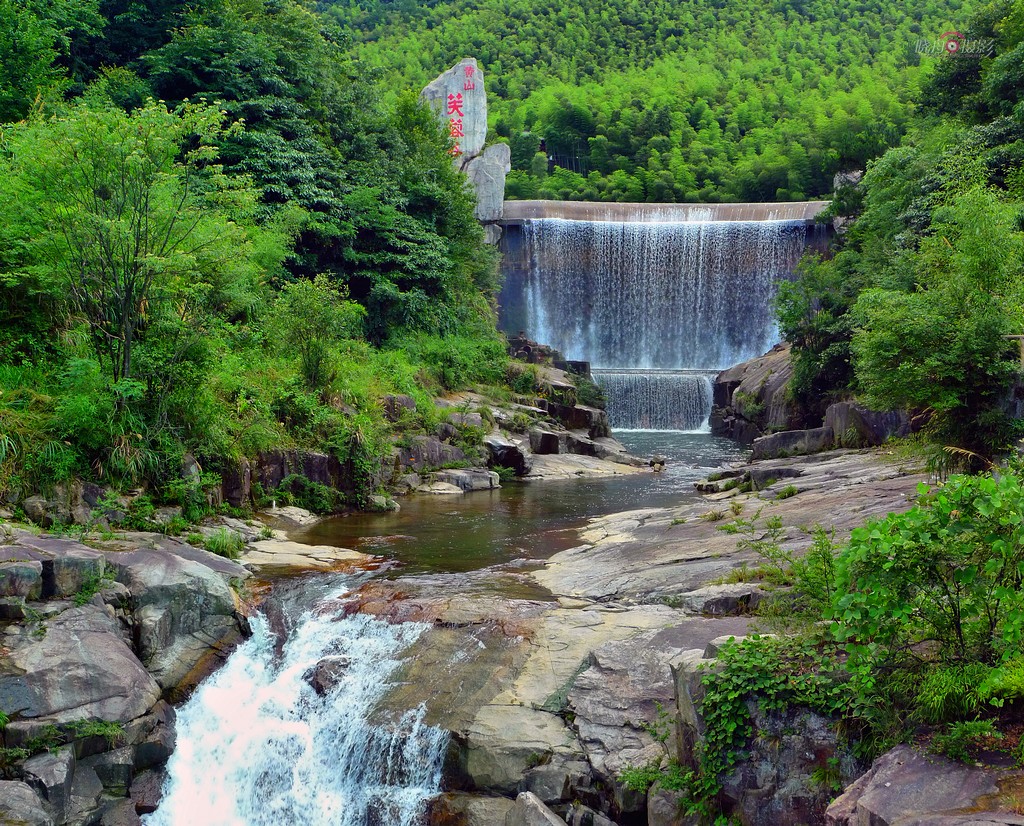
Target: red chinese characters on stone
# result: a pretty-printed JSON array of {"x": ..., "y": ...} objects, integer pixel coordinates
[
  {"x": 456, "y": 128},
  {"x": 469, "y": 72},
  {"x": 455, "y": 104},
  {"x": 455, "y": 151}
]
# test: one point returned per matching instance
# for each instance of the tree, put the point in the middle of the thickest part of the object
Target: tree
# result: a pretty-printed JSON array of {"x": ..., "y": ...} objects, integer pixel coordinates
[
  {"x": 313, "y": 315},
  {"x": 127, "y": 218}
]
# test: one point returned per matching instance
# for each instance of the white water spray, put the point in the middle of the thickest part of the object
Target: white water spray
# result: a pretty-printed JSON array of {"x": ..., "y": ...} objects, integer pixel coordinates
[{"x": 257, "y": 746}]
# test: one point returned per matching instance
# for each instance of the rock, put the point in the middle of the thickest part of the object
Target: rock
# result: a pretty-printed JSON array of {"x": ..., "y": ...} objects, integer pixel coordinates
[
  {"x": 146, "y": 791},
  {"x": 154, "y": 737},
  {"x": 37, "y": 509},
  {"x": 19, "y": 805},
  {"x": 793, "y": 443},
  {"x": 115, "y": 769},
  {"x": 120, "y": 813},
  {"x": 283, "y": 553},
  {"x": 274, "y": 466},
  {"x": 85, "y": 796},
  {"x": 664, "y": 808},
  {"x": 73, "y": 569},
  {"x": 291, "y": 516},
  {"x": 611, "y": 450},
  {"x": 456, "y": 809},
  {"x": 395, "y": 406},
  {"x": 530, "y": 811},
  {"x": 487, "y": 173},
  {"x": 545, "y": 441},
  {"x": 752, "y": 397},
  {"x": 776, "y": 783},
  {"x": 908, "y": 788},
  {"x": 458, "y": 98},
  {"x": 469, "y": 479},
  {"x": 854, "y": 425},
  {"x": 383, "y": 504},
  {"x": 580, "y": 445},
  {"x": 555, "y": 781},
  {"x": 505, "y": 453},
  {"x": 12, "y": 608},
  {"x": 492, "y": 234},
  {"x": 617, "y": 703},
  {"x": 80, "y": 669},
  {"x": 326, "y": 674},
  {"x": 504, "y": 744},
  {"x": 21, "y": 578},
  {"x": 722, "y": 600},
  {"x": 427, "y": 453},
  {"x": 236, "y": 484},
  {"x": 183, "y": 612},
  {"x": 580, "y": 417},
  {"x": 51, "y": 775},
  {"x": 579, "y": 815},
  {"x": 440, "y": 489}
]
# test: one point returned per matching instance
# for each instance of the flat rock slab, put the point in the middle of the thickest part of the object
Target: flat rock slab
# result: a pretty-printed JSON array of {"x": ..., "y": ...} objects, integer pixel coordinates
[
  {"x": 283, "y": 553},
  {"x": 668, "y": 552},
  {"x": 573, "y": 466},
  {"x": 907, "y": 788}
]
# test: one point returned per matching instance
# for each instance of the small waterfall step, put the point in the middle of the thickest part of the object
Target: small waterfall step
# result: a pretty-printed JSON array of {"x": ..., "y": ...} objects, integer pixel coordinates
[
  {"x": 259, "y": 745},
  {"x": 641, "y": 399}
]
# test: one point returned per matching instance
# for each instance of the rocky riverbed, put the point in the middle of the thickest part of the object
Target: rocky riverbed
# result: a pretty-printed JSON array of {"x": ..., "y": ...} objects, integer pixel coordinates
[{"x": 551, "y": 676}]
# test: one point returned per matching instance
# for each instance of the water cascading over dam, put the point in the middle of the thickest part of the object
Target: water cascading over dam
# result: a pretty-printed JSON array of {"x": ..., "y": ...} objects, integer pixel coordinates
[{"x": 658, "y": 298}]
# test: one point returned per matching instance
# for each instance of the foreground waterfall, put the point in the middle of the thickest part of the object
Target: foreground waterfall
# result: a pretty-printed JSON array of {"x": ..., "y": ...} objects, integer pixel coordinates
[
  {"x": 258, "y": 747},
  {"x": 657, "y": 399}
]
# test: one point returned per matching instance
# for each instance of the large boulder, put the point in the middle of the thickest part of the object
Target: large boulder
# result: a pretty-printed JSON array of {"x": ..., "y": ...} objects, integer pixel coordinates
[
  {"x": 81, "y": 668},
  {"x": 793, "y": 443},
  {"x": 183, "y": 611},
  {"x": 487, "y": 174},
  {"x": 51, "y": 775},
  {"x": 752, "y": 397},
  {"x": 506, "y": 453},
  {"x": 427, "y": 453},
  {"x": 778, "y": 783},
  {"x": 856, "y": 426},
  {"x": 907, "y": 788},
  {"x": 469, "y": 479},
  {"x": 19, "y": 805},
  {"x": 530, "y": 811},
  {"x": 458, "y": 98}
]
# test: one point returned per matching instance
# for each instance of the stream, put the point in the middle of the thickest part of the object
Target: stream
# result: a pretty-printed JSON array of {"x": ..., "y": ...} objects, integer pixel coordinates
[{"x": 258, "y": 745}]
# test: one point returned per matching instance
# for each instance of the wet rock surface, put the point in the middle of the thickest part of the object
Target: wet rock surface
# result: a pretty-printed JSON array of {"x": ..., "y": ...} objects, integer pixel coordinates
[{"x": 104, "y": 633}]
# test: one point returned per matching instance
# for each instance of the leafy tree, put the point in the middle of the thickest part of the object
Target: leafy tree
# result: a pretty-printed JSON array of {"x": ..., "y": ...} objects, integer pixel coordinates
[
  {"x": 313, "y": 315},
  {"x": 126, "y": 217}
]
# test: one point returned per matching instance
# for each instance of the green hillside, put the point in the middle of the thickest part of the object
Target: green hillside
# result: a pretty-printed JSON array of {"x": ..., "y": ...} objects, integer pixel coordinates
[{"x": 672, "y": 101}]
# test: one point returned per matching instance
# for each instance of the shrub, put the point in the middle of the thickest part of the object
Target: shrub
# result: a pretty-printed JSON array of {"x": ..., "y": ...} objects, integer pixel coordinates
[
  {"x": 947, "y": 571},
  {"x": 964, "y": 736},
  {"x": 224, "y": 542}
]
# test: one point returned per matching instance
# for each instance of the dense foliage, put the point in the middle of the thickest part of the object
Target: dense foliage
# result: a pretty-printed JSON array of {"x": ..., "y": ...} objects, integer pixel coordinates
[
  {"x": 914, "y": 309},
  {"x": 667, "y": 101},
  {"x": 217, "y": 240},
  {"x": 923, "y": 640}
]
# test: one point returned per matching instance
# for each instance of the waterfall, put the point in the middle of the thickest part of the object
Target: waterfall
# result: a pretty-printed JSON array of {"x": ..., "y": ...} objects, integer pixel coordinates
[
  {"x": 648, "y": 295},
  {"x": 667, "y": 296},
  {"x": 257, "y": 746},
  {"x": 657, "y": 399}
]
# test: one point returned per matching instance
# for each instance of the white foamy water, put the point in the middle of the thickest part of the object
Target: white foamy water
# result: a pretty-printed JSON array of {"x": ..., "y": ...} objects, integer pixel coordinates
[{"x": 258, "y": 747}]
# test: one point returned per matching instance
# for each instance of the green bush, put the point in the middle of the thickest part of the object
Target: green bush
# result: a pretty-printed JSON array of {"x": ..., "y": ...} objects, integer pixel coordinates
[
  {"x": 964, "y": 736},
  {"x": 224, "y": 542},
  {"x": 947, "y": 571}
]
